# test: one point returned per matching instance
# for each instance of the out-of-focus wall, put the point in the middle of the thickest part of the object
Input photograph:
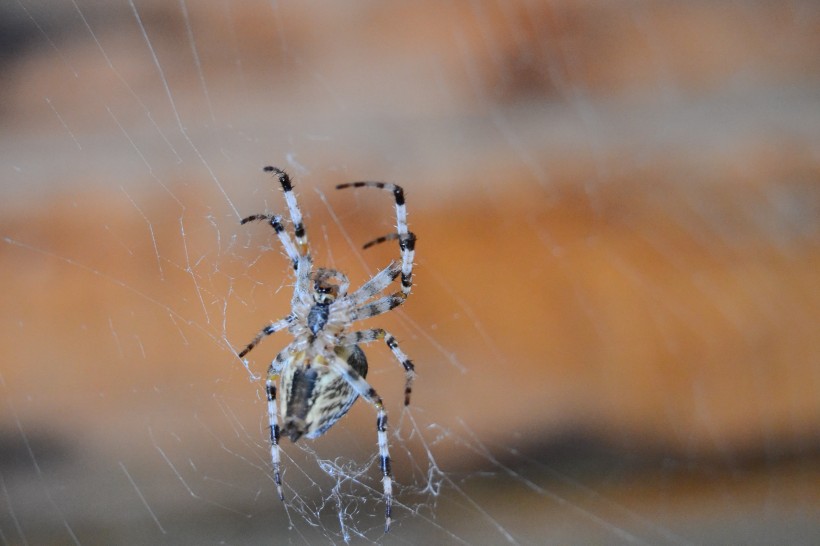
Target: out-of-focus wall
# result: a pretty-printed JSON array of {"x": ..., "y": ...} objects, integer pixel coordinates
[{"x": 617, "y": 207}]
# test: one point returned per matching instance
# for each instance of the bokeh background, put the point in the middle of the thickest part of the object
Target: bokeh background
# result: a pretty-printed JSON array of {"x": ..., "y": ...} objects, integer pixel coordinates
[{"x": 616, "y": 312}]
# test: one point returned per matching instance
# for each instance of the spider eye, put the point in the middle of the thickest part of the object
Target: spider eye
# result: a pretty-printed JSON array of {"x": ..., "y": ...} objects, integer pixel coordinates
[{"x": 325, "y": 293}]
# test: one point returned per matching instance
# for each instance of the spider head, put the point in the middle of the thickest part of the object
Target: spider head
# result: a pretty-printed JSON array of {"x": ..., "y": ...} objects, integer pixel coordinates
[{"x": 325, "y": 292}]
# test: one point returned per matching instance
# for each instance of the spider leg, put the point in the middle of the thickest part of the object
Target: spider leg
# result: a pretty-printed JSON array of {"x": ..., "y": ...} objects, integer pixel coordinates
[
  {"x": 363, "y": 388},
  {"x": 407, "y": 244},
  {"x": 284, "y": 237},
  {"x": 299, "y": 252},
  {"x": 270, "y": 390},
  {"x": 407, "y": 239},
  {"x": 304, "y": 263},
  {"x": 381, "y": 305},
  {"x": 382, "y": 239},
  {"x": 375, "y": 334},
  {"x": 266, "y": 331},
  {"x": 376, "y": 284},
  {"x": 293, "y": 209}
]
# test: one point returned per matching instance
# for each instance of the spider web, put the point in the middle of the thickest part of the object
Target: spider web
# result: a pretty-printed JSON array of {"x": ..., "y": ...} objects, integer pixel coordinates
[{"x": 614, "y": 308}]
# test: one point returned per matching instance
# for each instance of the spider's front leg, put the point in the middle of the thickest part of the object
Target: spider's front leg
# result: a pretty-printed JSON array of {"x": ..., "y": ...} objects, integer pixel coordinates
[
  {"x": 275, "y": 222},
  {"x": 293, "y": 209},
  {"x": 298, "y": 252},
  {"x": 406, "y": 238}
]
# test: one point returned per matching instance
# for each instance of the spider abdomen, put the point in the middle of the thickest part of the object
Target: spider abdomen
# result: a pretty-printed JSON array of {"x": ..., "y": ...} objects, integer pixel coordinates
[{"x": 316, "y": 396}]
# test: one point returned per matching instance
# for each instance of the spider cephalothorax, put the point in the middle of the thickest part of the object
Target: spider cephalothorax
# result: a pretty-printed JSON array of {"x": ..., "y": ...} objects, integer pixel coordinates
[{"x": 322, "y": 371}]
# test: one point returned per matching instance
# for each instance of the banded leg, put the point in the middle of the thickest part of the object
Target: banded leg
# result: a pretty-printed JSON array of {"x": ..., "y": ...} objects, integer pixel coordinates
[
  {"x": 363, "y": 388},
  {"x": 381, "y": 305},
  {"x": 375, "y": 334},
  {"x": 270, "y": 390},
  {"x": 266, "y": 331},
  {"x": 407, "y": 239},
  {"x": 376, "y": 284},
  {"x": 407, "y": 245},
  {"x": 293, "y": 209},
  {"x": 284, "y": 237},
  {"x": 384, "y": 460}
]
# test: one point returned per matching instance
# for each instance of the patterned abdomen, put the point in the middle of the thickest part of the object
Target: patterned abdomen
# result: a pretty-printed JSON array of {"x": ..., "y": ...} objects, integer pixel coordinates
[{"x": 315, "y": 396}]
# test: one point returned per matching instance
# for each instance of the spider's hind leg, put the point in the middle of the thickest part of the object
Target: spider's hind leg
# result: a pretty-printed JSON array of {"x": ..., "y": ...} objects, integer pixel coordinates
[
  {"x": 363, "y": 388},
  {"x": 270, "y": 390}
]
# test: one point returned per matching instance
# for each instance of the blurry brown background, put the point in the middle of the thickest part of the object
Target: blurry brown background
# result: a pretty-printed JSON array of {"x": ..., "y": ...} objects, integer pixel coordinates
[{"x": 615, "y": 318}]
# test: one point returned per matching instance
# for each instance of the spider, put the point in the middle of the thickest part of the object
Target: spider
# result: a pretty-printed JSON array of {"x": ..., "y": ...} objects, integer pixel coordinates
[{"x": 322, "y": 371}]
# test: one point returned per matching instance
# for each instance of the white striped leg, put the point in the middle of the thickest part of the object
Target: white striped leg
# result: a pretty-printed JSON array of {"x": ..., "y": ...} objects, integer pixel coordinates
[
  {"x": 363, "y": 388},
  {"x": 407, "y": 244},
  {"x": 303, "y": 264},
  {"x": 270, "y": 390},
  {"x": 381, "y": 305},
  {"x": 284, "y": 237},
  {"x": 266, "y": 331},
  {"x": 375, "y": 334},
  {"x": 398, "y": 194},
  {"x": 301, "y": 292},
  {"x": 384, "y": 458},
  {"x": 376, "y": 284},
  {"x": 407, "y": 239},
  {"x": 293, "y": 209}
]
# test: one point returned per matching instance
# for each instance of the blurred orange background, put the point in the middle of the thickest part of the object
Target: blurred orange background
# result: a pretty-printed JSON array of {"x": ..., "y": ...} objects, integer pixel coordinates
[{"x": 616, "y": 304}]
